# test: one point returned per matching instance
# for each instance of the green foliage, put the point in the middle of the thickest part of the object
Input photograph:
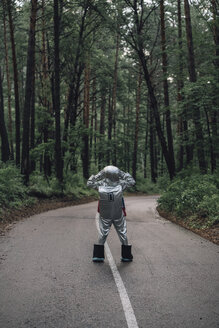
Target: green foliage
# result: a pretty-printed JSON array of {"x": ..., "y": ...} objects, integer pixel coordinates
[
  {"x": 40, "y": 186},
  {"x": 13, "y": 193},
  {"x": 146, "y": 186},
  {"x": 73, "y": 186},
  {"x": 42, "y": 149},
  {"x": 163, "y": 182},
  {"x": 194, "y": 198}
]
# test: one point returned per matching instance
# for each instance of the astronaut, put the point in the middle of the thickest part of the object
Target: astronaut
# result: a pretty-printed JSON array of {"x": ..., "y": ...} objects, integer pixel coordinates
[{"x": 110, "y": 183}]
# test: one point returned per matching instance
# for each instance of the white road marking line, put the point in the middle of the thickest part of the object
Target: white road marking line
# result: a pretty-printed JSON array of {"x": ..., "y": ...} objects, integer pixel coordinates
[{"x": 127, "y": 307}]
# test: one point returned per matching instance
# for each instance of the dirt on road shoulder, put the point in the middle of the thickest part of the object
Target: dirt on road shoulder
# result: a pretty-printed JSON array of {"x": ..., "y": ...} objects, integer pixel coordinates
[{"x": 211, "y": 234}]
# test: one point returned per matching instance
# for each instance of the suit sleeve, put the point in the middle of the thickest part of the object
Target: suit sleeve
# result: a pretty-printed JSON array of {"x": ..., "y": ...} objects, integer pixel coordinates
[
  {"x": 126, "y": 180},
  {"x": 95, "y": 180}
]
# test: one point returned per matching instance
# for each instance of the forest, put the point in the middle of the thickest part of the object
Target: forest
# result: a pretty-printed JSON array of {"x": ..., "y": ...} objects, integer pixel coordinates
[{"x": 132, "y": 83}]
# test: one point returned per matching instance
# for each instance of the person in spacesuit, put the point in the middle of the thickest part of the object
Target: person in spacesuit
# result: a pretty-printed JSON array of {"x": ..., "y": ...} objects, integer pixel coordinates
[{"x": 110, "y": 183}]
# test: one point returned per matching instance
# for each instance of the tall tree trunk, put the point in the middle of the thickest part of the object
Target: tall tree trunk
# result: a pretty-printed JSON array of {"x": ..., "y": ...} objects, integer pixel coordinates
[
  {"x": 93, "y": 122},
  {"x": 155, "y": 157},
  {"x": 180, "y": 85},
  {"x": 25, "y": 165},
  {"x": 8, "y": 85},
  {"x": 72, "y": 110},
  {"x": 5, "y": 150},
  {"x": 32, "y": 120},
  {"x": 193, "y": 79},
  {"x": 154, "y": 106},
  {"x": 85, "y": 152},
  {"x": 94, "y": 105},
  {"x": 127, "y": 139},
  {"x": 214, "y": 118},
  {"x": 56, "y": 105},
  {"x": 110, "y": 126},
  {"x": 128, "y": 143},
  {"x": 51, "y": 75},
  {"x": 210, "y": 142},
  {"x": 152, "y": 152},
  {"x": 215, "y": 11},
  {"x": 124, "y": 154},
  {"x": 146, "y": 143},
  {"x": 76, "y": 95},
  {"x": 138, "y": 45},
  {"x": 180, "y": 154},
  {"x": 114, "y": 99},
  {"x": 74, "y": 85},
  {"x": 45, "y": 87},
  {"x": 214, "y": 155},
  {"x": 135, "y": 150},
  {"x": 166, "y": 87},
  {"x": 128, "y": 116},
  {"x": 101, "y": 152},
  {"x": 182, "y": 123},
  {"x": 16, "y": 88}
]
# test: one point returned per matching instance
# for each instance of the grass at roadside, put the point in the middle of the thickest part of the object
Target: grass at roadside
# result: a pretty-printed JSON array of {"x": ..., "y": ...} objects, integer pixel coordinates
[
  {"x": 15, "y": 196},
  {"x": 193, "y": 199}
]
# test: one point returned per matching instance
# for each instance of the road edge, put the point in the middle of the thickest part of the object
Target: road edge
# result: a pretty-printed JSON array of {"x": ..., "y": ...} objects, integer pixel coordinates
[{"x": 211, "y": 234}]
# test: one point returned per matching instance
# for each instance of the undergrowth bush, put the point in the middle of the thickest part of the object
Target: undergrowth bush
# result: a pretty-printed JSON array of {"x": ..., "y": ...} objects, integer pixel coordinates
[
  {"x": 42, "y": 187},
  {"x": 194, "y": 198},
  {"x": 13, "y": 192},
  {"x": 145, "y": 185},
  {"x": 73, "y": 186}
]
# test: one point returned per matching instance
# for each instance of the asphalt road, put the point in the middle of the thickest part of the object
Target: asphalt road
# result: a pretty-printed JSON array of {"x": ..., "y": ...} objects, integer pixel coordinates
[{"x": 48, "y": 279}]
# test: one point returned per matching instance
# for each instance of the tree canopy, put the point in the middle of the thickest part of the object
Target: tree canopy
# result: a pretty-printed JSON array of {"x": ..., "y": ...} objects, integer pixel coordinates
[{"x": 132, "y": 83}]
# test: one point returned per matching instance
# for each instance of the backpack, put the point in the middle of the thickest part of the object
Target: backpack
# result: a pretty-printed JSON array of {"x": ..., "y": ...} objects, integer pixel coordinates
[{"x": 111, "y": 201}]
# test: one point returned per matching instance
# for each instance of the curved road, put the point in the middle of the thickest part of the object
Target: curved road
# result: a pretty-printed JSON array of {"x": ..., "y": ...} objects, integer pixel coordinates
[{"x": 48, "y": 280}]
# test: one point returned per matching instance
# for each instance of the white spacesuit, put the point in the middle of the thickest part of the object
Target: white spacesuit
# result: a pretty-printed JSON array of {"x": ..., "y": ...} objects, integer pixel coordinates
[{"x": 110, "y": 183}]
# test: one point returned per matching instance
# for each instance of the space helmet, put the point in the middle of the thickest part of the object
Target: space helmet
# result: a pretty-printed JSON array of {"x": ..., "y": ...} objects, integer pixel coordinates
[{"x": 111, "y": 173}]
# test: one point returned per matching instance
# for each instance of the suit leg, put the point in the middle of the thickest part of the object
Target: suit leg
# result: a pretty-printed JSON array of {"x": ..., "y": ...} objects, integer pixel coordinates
[
  {"x": 121, "y": 229},
  {"x": 104, "y": 228}
]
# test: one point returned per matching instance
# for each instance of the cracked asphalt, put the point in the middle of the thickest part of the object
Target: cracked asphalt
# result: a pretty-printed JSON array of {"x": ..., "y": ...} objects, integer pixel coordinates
[{"x": 48, "y": 279}]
